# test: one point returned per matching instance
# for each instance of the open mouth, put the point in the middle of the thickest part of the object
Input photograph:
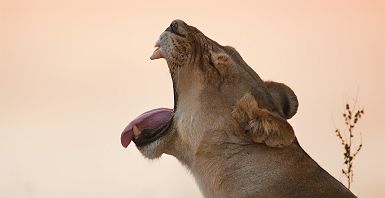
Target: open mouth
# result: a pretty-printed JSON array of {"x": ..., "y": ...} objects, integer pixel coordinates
[{"x": 150, "y": 125}]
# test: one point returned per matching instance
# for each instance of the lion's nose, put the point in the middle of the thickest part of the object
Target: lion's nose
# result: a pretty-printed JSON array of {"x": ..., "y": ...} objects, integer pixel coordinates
[{"x": 173, "y": 26}]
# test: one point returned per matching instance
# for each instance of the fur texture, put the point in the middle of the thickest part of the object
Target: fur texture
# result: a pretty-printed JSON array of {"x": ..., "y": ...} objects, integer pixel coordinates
[{"x": 229, "y": 127}]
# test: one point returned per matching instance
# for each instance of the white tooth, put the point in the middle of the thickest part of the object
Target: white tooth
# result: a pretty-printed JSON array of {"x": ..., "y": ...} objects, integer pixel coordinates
[
  {"x": 136, "y": 131},
  {"x": 157, "y": 54}
]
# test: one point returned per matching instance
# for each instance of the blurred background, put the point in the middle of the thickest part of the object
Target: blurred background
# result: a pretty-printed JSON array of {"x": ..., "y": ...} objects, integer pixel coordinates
[{"x": 73, "y": 74}]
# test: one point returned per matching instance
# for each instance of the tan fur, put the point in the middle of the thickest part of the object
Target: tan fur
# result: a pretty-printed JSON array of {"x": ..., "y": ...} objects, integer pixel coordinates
[{"x": 228, "y": 124}]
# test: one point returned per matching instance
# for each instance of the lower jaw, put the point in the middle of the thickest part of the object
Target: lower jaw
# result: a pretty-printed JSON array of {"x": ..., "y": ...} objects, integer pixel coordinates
[{"x": 149, "y": 136}]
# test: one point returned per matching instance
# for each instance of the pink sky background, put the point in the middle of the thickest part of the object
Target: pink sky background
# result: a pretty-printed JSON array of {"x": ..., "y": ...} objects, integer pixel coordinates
[{"x": 74, "y": 73}]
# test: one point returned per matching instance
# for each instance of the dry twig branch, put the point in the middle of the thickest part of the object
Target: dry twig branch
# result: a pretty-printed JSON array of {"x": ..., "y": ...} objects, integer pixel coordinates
[{"x": 351, "y": 117}]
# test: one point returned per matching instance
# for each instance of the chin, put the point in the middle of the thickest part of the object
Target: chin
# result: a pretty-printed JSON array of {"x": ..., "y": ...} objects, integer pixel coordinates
[{"x": 152, "y": 150}]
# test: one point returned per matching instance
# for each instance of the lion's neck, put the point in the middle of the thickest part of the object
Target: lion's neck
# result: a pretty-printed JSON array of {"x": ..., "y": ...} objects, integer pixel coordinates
[{"x": 188, "y": 122}]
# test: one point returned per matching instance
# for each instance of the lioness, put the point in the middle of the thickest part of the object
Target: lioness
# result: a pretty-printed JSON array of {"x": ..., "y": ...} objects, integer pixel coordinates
[{"x": 227, "y": 125}]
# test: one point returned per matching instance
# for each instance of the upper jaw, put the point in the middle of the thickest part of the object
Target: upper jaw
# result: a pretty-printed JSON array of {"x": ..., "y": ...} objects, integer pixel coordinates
[
  {"x": 158, "y": 53},
  {"x": 159, "y": 47}
]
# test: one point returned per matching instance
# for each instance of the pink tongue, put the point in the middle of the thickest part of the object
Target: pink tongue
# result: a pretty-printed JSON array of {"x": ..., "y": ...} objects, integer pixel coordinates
[{"x": 148, "y": 120}]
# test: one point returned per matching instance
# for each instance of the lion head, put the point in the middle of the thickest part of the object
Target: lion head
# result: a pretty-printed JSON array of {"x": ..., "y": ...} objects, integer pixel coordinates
[{"x": 208, "y": 79}]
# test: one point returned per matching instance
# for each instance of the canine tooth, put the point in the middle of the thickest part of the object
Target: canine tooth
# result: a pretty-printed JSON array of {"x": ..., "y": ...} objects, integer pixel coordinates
[
  {"x": 136, "y": 131},
  {"x": 157, "y": 54}
]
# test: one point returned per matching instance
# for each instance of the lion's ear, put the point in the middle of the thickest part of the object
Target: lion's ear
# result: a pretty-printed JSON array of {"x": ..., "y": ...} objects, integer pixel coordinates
[
  {"x": 261, "y": 125},
  {"x": 285, "y": 98}
]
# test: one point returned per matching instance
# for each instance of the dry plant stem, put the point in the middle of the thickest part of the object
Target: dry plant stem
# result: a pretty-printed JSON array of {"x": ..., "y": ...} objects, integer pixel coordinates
[{"x": 351, "y": 117}]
